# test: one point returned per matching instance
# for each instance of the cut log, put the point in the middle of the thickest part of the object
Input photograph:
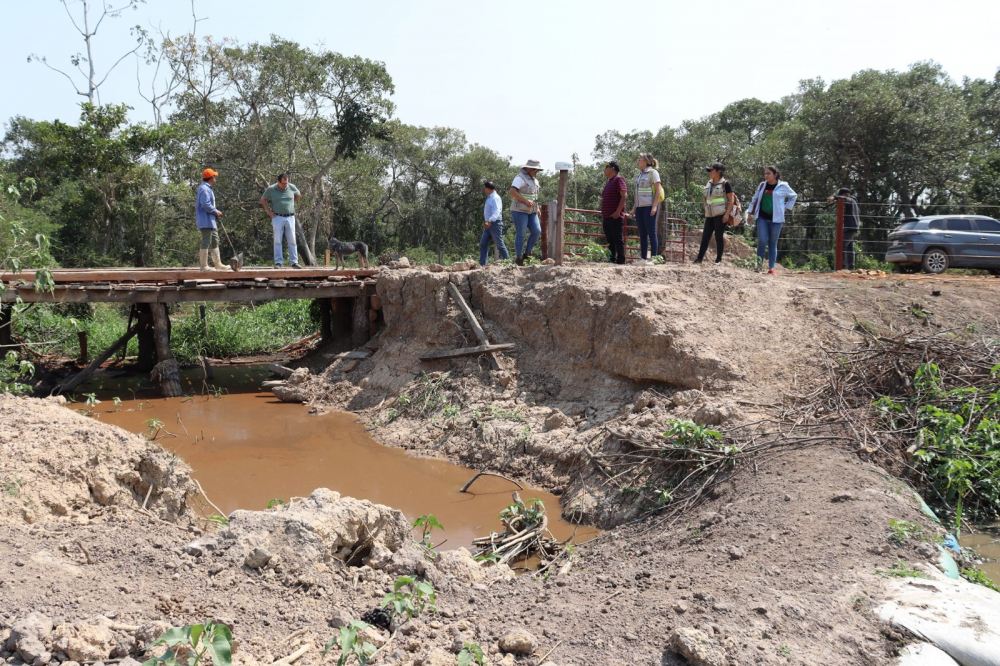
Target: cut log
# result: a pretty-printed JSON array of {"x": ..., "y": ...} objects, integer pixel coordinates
[
  {"x": 465, "y": 351},
  {"x": 166, "y": 371},
  {"x": 280, "y": 370},
  {"x": 359, "y": 353},
  {"x": 82, "y": 376},
  {"x": 473, "y": 323}
]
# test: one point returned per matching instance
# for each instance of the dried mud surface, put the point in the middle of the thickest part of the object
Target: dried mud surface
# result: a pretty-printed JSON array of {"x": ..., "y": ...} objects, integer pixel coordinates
[{"x": 780, "y": 565}]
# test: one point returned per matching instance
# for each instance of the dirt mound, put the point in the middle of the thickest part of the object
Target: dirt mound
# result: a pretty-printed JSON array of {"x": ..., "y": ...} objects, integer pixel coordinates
[{"x": 59, "y": 465}]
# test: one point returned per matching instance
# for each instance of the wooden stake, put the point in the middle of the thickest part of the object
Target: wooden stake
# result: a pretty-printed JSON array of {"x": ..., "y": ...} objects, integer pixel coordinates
[
  {"x": 465, "y": 351},
  {"x": 473, "y": 323},
  {"x": 167, "y": 370},
  {"x": 82, "y": 376}
]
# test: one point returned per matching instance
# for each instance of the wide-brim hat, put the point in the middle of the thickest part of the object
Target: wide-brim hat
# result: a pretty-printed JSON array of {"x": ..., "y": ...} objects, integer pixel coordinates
[{"x": 532, "y": 164}]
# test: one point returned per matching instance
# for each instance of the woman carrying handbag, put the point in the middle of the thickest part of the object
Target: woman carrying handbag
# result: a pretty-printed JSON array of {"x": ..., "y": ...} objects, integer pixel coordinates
[{"x": 772, "y": 198}]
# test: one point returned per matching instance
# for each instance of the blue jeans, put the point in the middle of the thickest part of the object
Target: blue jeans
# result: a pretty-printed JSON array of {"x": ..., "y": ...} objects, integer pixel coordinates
[
  {"x": 286, "y": 226},
  {"x": 494, "y": 232},
  {"x": 767, "y": 241},
  {"x": 525, "y": 222},
  {"x": 645, "y": 219}
]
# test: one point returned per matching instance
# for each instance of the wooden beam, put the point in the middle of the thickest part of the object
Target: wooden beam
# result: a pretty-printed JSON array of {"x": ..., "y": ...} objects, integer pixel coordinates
[
  {"x": 173, "y": 294},
  {"x": 465, "y": 351},
  {"x": 167, "y": 370},
  {"x": 80, "y": 377},
  {"x": 473, "y": 322},
  {"x": 64, "y": 275}
]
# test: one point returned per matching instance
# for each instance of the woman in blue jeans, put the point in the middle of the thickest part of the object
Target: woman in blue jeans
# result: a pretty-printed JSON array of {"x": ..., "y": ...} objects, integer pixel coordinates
[
  {"x": 772, "y": 198},
  {"x": 524, "y": 209},
  {"x": 647, "y": 200}
]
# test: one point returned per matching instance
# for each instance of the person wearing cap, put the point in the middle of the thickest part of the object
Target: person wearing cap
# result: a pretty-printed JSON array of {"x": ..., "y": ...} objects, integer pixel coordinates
[
  {"x": 852, "y": 223},
  {"x": 772, "y": 198},
  {"x": 613, "y": 211},
  {"x": 648, "y": 195},
  {"x": 492, "y": 225},
  {"x": 524, "y": 209},
  {"x": 279, "y": 203},
  {"x": 205, "y": 216},
  {"x": 719, "y": 199}
]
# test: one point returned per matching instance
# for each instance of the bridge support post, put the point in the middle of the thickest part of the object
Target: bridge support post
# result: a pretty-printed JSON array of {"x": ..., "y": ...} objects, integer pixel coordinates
[
  {"x": 362, "y": 325},
  {"x": 166, "y": 370},
  {"x": 325, "y": 319},
  {"x": 6, "y": 337},
  {"x": 147, "y": 343}
]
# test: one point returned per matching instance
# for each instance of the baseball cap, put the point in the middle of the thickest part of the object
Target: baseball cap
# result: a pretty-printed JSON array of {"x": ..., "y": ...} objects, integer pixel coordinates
[
  {"x": 613, "y": 165},
  {"x": 208, "y": 173},
  {"x": 718, "y": 166}
]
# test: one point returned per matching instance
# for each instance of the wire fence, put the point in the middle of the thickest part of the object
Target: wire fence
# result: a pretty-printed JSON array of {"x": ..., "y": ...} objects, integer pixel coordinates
[{"x": 809, "y": 234}]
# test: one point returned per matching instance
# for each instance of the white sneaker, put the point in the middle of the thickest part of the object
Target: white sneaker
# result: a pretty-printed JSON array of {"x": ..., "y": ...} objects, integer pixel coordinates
[{"x": 639, "y": 262}]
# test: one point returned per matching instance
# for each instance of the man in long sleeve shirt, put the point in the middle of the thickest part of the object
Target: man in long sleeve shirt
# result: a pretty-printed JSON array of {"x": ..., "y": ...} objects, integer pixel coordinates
[
  {"x": 492, "y": 224},
  {"x": 205, "y": 215}
]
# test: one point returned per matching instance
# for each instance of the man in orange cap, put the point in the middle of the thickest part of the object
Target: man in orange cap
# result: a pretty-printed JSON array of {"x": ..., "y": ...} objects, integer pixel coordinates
[{"x": 205, "y": 215}]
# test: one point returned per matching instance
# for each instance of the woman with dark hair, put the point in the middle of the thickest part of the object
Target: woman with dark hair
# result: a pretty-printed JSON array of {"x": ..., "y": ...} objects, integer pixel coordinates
[
  {"x": 719, "y": 199},
  {"x": 648, "y": 195},
  {"x": 772, "y": 198}
]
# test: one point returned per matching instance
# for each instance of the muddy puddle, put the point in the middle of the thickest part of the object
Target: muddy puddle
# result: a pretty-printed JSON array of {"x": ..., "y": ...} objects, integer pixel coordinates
[
  {"x": 987, "y": 544},
  {"x": 247, "y": 448}
]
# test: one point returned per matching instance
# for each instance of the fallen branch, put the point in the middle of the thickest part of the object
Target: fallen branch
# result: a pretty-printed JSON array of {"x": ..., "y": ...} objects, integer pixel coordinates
[
  {"x": 284, "y": 661},
  {"x": 205, "y": 495},
  {"x": 485, "y": 473},
  {"x": 85, "y": 553}
]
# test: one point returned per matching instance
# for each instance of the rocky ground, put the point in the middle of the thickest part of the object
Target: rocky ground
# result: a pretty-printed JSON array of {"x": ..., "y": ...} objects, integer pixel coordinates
[{"x": 779, "y": 563}]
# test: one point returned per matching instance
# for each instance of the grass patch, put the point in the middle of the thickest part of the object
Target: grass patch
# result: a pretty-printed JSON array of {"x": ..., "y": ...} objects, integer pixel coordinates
[
  {"x": 903, "y": 530},
  {"x": 901, "y": 570},
  {"x": 974, "y": 575}
]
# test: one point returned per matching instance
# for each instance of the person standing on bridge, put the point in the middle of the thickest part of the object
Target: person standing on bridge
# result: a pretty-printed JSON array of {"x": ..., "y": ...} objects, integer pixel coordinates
[
  {"x": 492, "y": 225},
  {"x": 524, "y": 209},
  {"x": 613, "y": 211},
  {"x": 279, "y": 202},
  {"x": 205, "y": 216}
]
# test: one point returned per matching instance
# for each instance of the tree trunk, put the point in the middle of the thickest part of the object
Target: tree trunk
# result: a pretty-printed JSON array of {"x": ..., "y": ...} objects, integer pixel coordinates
[
  {"x": 147, "y": 342},
  {"x": 167, "y": 370}
]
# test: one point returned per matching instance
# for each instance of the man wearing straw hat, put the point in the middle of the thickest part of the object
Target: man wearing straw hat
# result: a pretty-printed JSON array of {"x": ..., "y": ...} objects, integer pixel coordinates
[{"x": 524, "y": 209}]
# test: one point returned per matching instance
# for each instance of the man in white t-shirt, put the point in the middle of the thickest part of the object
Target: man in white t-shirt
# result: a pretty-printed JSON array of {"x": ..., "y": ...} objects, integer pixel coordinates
[{"x": 524, "y": 209}]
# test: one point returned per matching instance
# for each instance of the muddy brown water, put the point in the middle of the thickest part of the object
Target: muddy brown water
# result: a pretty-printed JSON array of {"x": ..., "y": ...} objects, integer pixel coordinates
[
  {"x": 247, "y": 448},
  {"x": 987, "y": 544}
]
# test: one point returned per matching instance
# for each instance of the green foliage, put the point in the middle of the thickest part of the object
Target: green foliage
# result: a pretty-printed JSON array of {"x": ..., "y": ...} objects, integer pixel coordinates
[
  {"x": 350, "y": 646},
  {"x": 817, "y": 263},
  {"x": 427, "y": 524},
  {"x": 275, "y": 502},
  {"x": 91, "y": 402},
  {"x": 14, "y": 372},
  {"x": 190, "y": 645},
  {"x": 471, "y": 655},
  {"x": 525, "y": 515},
  {"x": 903, "y": 530},
  {"x": 901, "y": 570},
  {"x": 410, "y": 598},
  {"x": 690, "y": 434},
  {"x": 594, "y": 252},
  {"x": 975, "y": 575},
  {"x": 153, "y": 427}
]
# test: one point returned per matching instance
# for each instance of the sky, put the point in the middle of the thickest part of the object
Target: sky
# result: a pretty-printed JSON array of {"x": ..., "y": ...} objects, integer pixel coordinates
[{"x": 531, "y": 79}]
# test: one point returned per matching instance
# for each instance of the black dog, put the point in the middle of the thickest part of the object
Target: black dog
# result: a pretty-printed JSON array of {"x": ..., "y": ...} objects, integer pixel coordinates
[{"x": 339, "y": 250}]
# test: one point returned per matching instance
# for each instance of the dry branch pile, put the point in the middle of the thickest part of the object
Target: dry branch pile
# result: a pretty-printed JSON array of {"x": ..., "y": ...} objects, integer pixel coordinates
[{"x": 526, "y": 534}]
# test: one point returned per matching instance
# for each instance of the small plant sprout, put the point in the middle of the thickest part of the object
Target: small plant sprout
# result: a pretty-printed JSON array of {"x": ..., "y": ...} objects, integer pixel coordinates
[
  {"x": 153, "y": 427},
  {"x": 903, "y": 531},
  {"x": 117, "y": 403},
  {"x": 91, "y": 402},
  {"x": 277, "y": 501},
  {"x": 427, "y": 524},
  {"x": 410, "y": 598},
  {"x": 471, "y": 655},
  {"x": 452, "y": 411},
  {"x": 350, "y": 645},
  {"x": 216, "y": 518},
  {"x": 189, "y": 646}
]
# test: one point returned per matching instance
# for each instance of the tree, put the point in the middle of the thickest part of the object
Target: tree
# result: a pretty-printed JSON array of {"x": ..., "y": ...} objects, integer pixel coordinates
[{"x": 88, "y": 25}]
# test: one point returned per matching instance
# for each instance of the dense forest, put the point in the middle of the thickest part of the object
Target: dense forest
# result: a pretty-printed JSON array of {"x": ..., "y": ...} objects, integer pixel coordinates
[{"x": 107, "y": 190}]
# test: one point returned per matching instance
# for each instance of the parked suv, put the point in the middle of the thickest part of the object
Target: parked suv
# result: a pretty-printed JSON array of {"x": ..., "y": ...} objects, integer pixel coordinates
[{"x": 939, "y": 242}]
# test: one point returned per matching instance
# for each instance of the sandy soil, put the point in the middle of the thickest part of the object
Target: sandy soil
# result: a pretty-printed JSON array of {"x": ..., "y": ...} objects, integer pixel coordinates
[{"x": 779, "y": 565}]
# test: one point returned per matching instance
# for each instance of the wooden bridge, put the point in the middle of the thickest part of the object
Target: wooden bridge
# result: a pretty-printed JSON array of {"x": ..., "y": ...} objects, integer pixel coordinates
[{"x": 344, "y": 297}]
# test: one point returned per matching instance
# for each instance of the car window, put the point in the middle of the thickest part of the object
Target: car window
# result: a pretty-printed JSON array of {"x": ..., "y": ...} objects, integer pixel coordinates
[
  {"x": 958, "y": 224},
  {"x": 906, "y": 226},
  {"x": 989, "y": 226},
  {"x": 936, "y": 225}
]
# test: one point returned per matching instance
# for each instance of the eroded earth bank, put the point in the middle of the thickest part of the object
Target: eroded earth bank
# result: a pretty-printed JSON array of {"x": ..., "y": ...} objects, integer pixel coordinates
[{"x": 766, "y": 553}]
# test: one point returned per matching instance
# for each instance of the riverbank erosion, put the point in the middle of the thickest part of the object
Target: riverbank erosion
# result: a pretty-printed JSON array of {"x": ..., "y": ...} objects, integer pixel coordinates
[{"x": 780, "y": 553}]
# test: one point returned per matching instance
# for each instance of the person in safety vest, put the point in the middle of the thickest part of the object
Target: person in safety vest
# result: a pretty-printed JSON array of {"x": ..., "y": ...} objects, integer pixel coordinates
[
  {"x": 524, "y": 209},
  {"x": 648, "y": 195},
  {"x": 205, "y": 215},
  {"x": 718, "y": 201},
  {"x": 772, "y": 198}
]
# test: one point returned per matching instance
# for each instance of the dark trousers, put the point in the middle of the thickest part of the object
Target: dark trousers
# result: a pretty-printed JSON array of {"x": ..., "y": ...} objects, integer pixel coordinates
[
  {"x": 712, "y": 224},
  {"x": 616, "y": 242},
  {"x": 645, "y": 219},
  {"x": 849, "y": 236}
]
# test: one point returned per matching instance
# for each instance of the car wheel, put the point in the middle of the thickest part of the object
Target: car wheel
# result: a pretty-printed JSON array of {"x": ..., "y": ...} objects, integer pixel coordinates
[{"x": 935, "y": 261}]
